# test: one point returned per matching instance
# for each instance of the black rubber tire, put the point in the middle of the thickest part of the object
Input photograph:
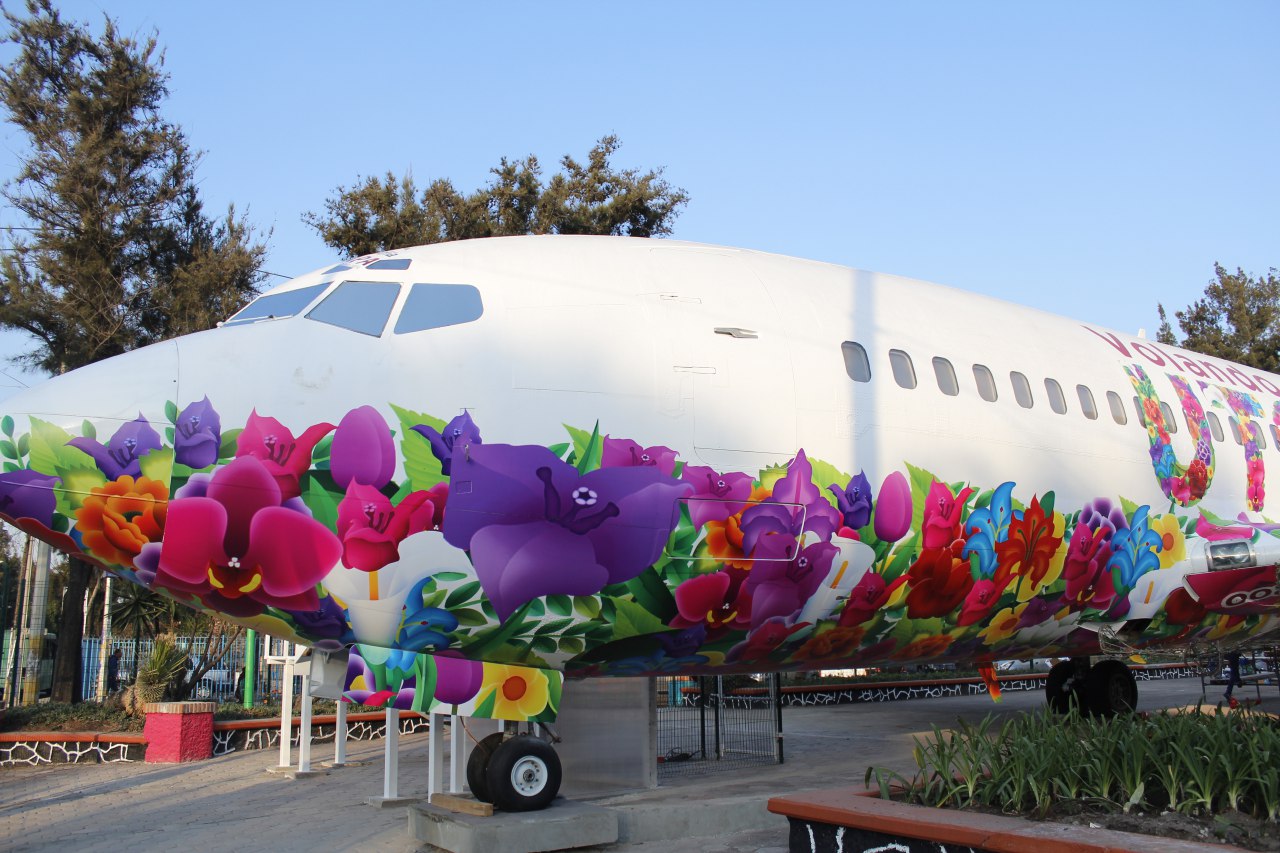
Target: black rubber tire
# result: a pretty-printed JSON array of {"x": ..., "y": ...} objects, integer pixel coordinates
[
  {"x": 1057, "y": 693},
  {"x": 524, "y": 774},
  {"x": 478, "y": 766},
  {"x": 1110, "y": 689}
]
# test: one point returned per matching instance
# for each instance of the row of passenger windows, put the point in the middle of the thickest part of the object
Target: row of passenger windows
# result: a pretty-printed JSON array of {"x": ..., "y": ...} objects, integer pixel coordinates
[
  {"x": 858, "y": 366},
  {"x": 365, "y": 306}
]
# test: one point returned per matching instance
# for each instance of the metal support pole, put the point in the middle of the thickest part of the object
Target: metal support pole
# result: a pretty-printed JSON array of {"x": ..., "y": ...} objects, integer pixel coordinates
[
  {"x": 340, "y": 736},
  {"x": 391, "y": 756},
  {"x": 250, "y": 666},
  {"x": 19, "y": 627},
  {"x": 777, "y": 712},
  {"x": 719, "y": 703},
  {"x": 286, "y": 713},
  {"x": 702, "y": 715},
  {"x": 5, "y": 588},
  {"x": 458, "y": 755},
  {"x": 104, "y": 652},
  {"x": 304, "y": 725},
  {"x": 435, "y": 756}
]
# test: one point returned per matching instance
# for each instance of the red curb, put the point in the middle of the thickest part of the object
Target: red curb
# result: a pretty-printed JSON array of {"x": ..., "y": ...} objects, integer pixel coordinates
[{"x": 863, "y": 809}]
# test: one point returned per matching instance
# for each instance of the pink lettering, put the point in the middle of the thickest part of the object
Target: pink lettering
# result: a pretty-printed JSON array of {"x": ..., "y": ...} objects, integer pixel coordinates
[
  {"x": 1241, "y": 379},
  {"x": 1148, "y": 353},
  {"x": 1266, "y": 385},
  {"x": 1113, "y": 340}
]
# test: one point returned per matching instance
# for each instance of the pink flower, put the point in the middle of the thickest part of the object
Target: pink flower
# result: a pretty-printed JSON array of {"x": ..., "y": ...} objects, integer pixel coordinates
[
  {"x": 713, "y": 601},
  {"x": 230, "y": 540},
  {"x": 372, "y": 530},
  {"x": 893, "y": 509},
  {"x": 286, "y": 457},
  {"x": 942, "y": 515}
]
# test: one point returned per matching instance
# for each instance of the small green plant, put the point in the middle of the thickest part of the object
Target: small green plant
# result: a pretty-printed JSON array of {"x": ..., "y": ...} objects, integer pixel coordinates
[{"x": 1195, "y": 763}]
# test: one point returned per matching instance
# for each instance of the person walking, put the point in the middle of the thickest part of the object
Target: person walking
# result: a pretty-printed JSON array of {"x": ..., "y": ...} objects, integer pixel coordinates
[
  {"x": 113, "y": 672},
  {"x": 1233, "y": 678}
]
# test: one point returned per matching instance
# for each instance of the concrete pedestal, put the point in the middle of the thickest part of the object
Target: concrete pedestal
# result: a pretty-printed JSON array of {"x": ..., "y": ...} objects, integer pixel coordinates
[{"x": 178, "y": 731}]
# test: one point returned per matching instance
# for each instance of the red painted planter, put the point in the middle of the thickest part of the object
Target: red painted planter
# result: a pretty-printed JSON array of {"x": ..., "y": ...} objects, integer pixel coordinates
[{"x": 178, "y": 731}]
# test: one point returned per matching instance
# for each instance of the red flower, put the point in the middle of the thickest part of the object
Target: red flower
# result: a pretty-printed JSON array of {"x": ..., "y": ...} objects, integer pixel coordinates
[
  {"x": 712, "y": 600},
  {"x": 867, "y": 597},
  {"x": 1029, "y": 548},
  {"x": 940, "y": 579},
  {"x": 1181, "y": 609}
]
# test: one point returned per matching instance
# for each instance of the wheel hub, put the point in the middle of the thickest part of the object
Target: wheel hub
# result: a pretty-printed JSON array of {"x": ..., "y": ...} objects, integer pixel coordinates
[{"x": 529, "y": 776}]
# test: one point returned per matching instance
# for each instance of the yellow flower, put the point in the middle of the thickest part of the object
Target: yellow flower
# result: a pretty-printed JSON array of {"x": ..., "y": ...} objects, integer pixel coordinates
[
  {"x": 1173, "y": 542},
  {"x": 1003, "y": 625},
  {"x": 519, "y": 692}
]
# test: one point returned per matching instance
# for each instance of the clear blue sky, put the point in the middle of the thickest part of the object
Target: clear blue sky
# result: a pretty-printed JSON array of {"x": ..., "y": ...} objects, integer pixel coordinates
[{"x": 1087, "y": 158}]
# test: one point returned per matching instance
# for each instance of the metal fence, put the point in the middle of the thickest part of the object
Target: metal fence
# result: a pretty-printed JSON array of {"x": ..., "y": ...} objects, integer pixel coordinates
[
  {"x": 223, "y": 683},
  {"x": 704, "y": 728}
]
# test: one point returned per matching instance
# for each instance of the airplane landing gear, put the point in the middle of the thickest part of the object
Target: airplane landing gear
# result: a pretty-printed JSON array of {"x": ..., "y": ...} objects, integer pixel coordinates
[
  {"x": 516, "y": 774},
  {"x": 1104, "y": 689}
]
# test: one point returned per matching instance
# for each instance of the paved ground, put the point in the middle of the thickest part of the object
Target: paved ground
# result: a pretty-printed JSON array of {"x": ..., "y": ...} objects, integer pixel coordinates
[{"x": 233, "y": 804}]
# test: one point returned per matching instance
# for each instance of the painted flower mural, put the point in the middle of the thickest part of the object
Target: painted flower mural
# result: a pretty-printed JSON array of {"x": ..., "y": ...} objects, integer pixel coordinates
[{"x": 470, "y": 570}]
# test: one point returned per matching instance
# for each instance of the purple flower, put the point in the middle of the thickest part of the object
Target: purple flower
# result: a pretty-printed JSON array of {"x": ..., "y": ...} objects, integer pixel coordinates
[
  {"x": 329, "y": 622},
  {"x": 796, "y": 506},
  {"x": 28, "y": 494},
  {"x": 854, "y": 501},
  {"x": 893, "y": 509},
  {"x": 121, "y": 455},
  {"x": 362, "y": 450},
  {"x": 535, "y": 527},
  {"x": 715, "y": 496},
  {"x": 781, "y": 588},
  {"x": 460, "y": 431},
  {"x": 1100, "y": 514},
  {"x": 458, "y": 680},
  {"x": 623, "y": 452},
  {"x": 197, "y": 435}
]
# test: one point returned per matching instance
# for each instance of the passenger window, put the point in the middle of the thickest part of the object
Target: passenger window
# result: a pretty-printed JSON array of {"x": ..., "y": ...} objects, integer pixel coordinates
[
  {"x": 1117, "y": 408},
  {"x": 946, "y": 374},
  {"x": 277, "y": 306},
  {"x": 1236, "y": 432},
  {"x": 1057, "y": 401},
  {"x": 1021, "y": 389},
  {"x": 856, "y": 363},
  {"x": 1169, "y": 423},
  {"x": 434, "y": 306},
  {"x": 1142, "y": 416},
  {"x": 1262, "y": 436},
  {"x": 390, "y": 264},
  {"x": 1275, "y": 434},
  {"x": 904, "y": 372},
  {"x": 1087, "y": 405},
  {"x": 1215, "y": 427},
  {"x": 986, "y": 383},
  {"x": 361, "y": 306}
]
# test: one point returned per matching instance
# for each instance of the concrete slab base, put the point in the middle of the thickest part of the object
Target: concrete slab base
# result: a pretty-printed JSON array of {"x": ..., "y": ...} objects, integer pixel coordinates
[
  {"x": 343, "y": 763},
  {"x": 294, "y": 773},
  {"x": 668, "y": 821},
  {"x": 565, "y": 824},
  {"x": 391, "y": 802}
]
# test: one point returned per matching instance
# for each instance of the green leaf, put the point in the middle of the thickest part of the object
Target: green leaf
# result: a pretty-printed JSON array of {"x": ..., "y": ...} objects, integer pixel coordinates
[
  {"x": 559, "y": 449},
  {"x": 49, "y": 449},
  {"x": 536, "y": 608},
  {"x": 158, "y": 465},
  {"x": 571, "y": 645},
  {"x": 24, "y": 444},
  {"x": 171, "y": 411},
  {"x": 652, "y": 594},
  {"x": 544, "y": 645},
  {"x": 632, "y": 620},
  {"x": 825, "y": 474},
  {"x": 1128, "y": 507},
  {"x": 589, "y": 459},
  {"x": 770, "y": 476},
  {"x": 6, "y": 425},
  {"x": 420, "y": 464},
  {"x": 169, "y": 434},
  {"x": 470, "y": 618},
  {"x": 485, "y": 708},
  {"x": 8, "y": 449},
  {"x": 227, "y": 446},
  {"x": 581, "y": 438},
  {"x": 323, "y": 448},
  {"x": 10, "y": 467},
  {"x": 560, "y": 605},
  {"x": 462, "y": 595},
  {"x": 323, "y": 506},
  {"x": 587, "y": 605},
  {"x": 77, "y": 483},
  {"x": 446, "y": 577},
  {"x": 88, "y": 430}
]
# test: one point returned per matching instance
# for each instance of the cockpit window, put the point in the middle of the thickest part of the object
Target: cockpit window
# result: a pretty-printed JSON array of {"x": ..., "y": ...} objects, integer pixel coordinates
[
  {"x": 432, "y": 306},
  {"x": 339, "y": 268},
  {"x": 277, "y": 306},
  {"x": 361, "y": 306},
  {"x": 390, "y": 264}
]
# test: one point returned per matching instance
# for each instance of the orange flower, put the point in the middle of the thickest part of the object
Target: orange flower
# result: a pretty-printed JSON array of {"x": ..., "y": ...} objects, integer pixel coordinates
[
  {"x": 117, "y": 519},
  {"x": 724, "y": 538},
  {"x": 833, "y": 643},
  {"x": 925, "y": 647}
]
